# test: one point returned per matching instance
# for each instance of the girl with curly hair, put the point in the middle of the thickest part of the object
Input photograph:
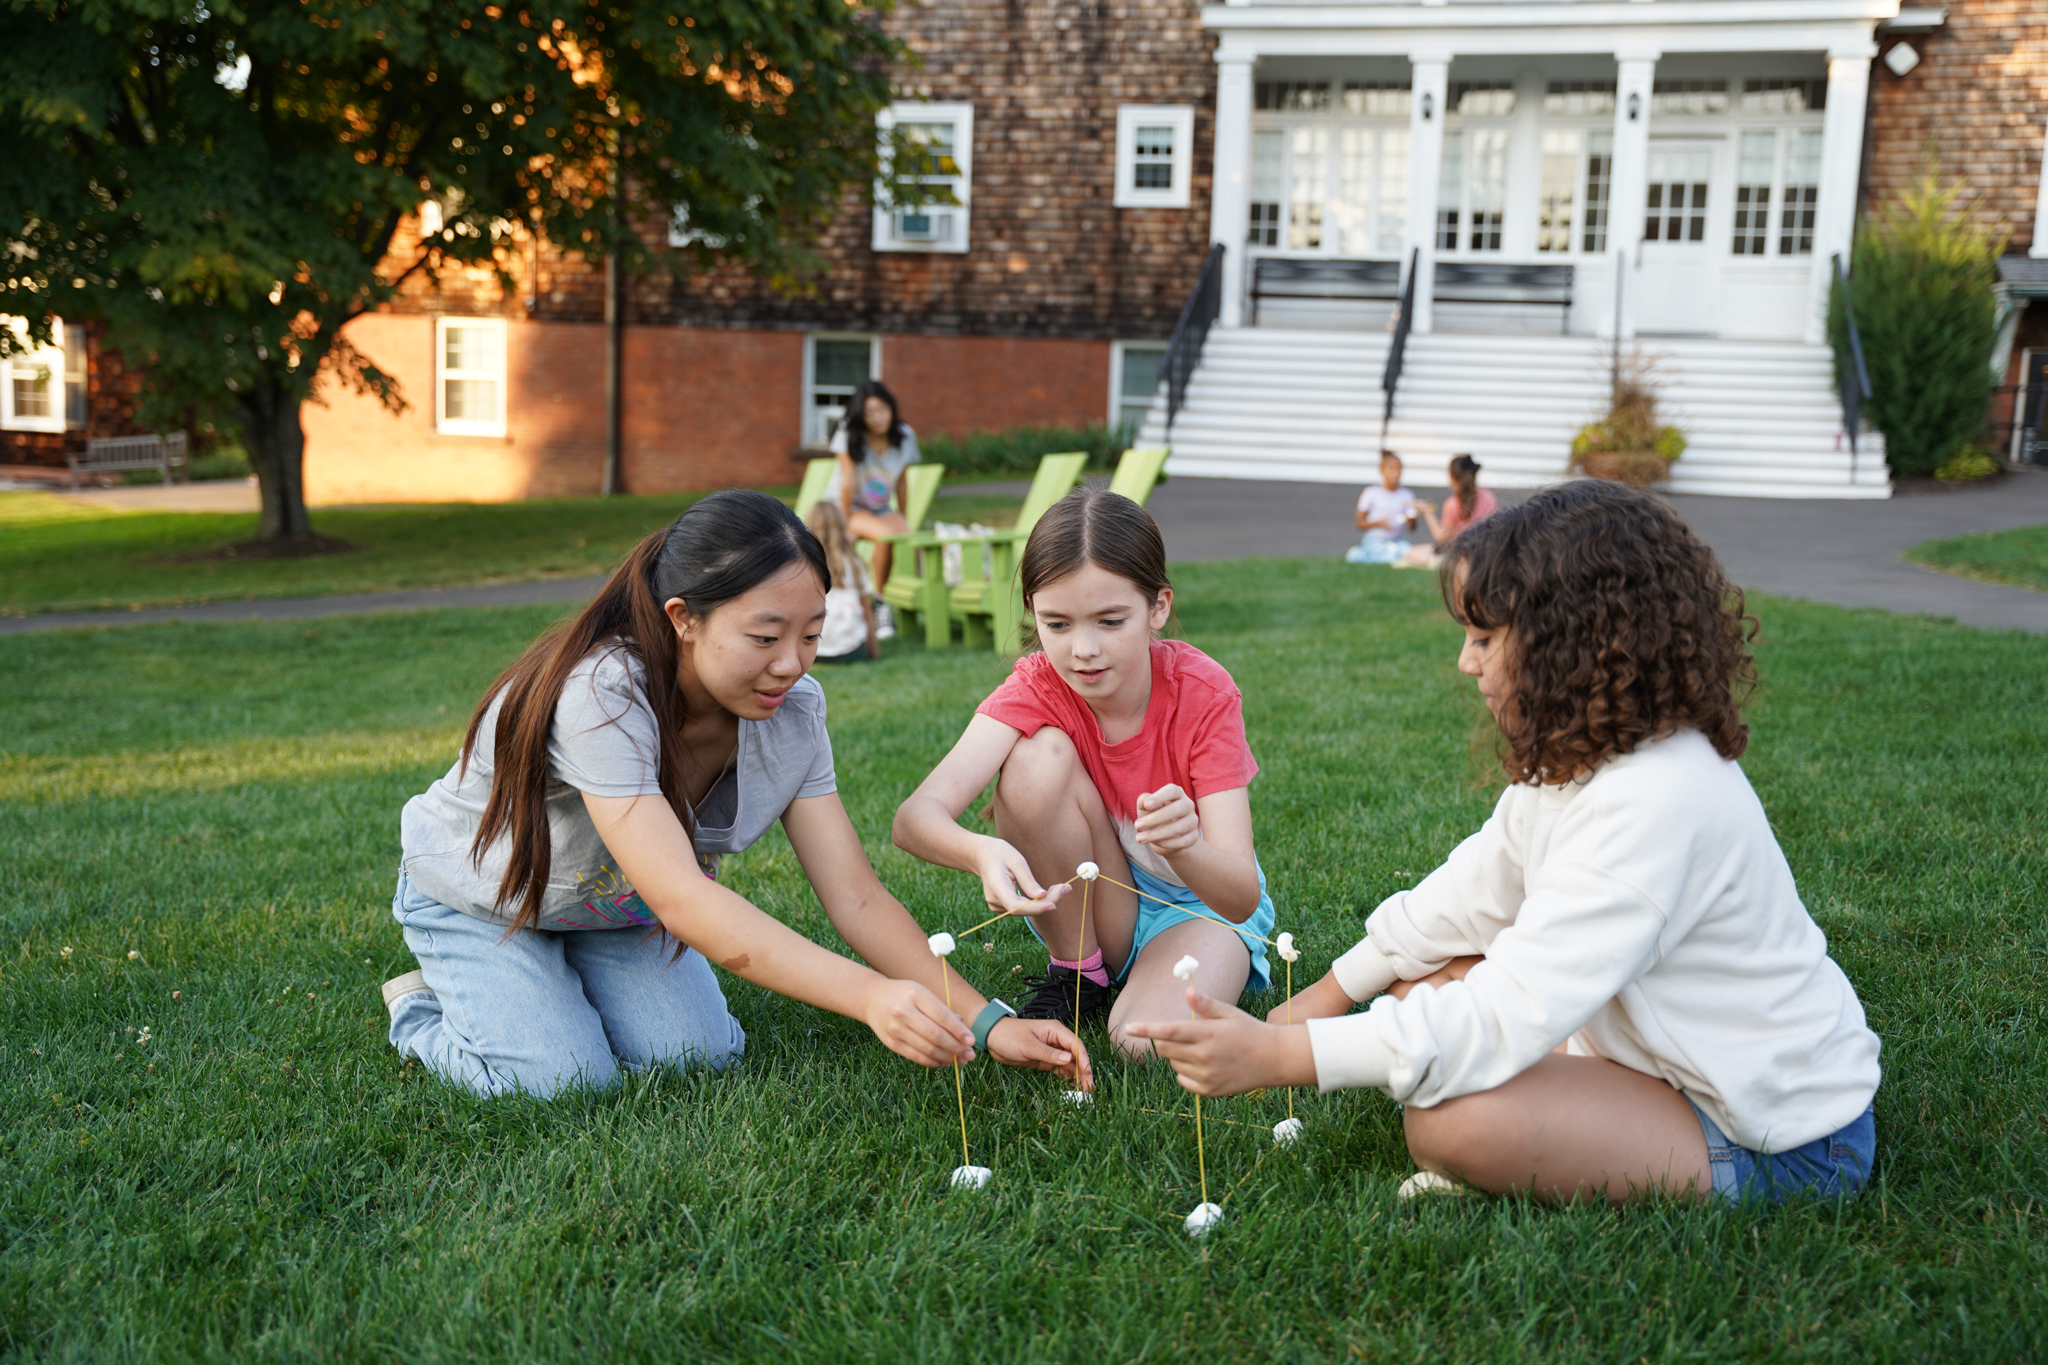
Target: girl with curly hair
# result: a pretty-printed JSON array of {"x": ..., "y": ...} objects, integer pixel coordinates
[{"x": 1612, "y": 989}]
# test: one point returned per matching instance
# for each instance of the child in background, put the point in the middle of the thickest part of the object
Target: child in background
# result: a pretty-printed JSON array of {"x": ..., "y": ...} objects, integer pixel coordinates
[
  {"x": 849, "y": 631},
  {"x": 1467, "y": 503},
  {"x": 1108, "y": 745},
  {"x": 1385, "y": 512},
  {"x": 1612, "y": 988}
]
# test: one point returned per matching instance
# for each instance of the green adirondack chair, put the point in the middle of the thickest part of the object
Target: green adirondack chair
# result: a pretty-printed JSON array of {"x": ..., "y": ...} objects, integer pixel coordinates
[
  {"x": 1137, "y": 473},
  {"x": 817, "y": 473},
  {"x": 991, "y": 610},
  {"x": 906, "y": 589}
]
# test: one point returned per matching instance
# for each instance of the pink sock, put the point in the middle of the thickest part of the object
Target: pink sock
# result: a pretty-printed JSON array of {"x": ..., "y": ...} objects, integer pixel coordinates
[{"x": 1090, "y": 967}]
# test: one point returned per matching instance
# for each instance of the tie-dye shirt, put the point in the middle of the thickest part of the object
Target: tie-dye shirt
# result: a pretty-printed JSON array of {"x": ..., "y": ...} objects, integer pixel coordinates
[{"x": 604, "y": 743}]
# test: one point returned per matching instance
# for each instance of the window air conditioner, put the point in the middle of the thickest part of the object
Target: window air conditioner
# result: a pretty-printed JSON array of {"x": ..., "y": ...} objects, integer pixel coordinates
[{"x": 922, "y": 225}]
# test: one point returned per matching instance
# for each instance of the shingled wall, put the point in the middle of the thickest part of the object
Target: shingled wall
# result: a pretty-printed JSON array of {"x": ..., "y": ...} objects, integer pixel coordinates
[{"x": 1972, "y": 112}]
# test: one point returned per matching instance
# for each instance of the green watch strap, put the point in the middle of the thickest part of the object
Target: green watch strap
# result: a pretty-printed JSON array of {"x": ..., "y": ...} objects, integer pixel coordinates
[{"x": 991, "y": 1014}]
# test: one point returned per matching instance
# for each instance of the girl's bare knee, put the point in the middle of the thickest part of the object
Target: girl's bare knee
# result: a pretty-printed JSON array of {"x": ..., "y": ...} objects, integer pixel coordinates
[
  {"x": 1454, "y": 1137},
  {"x": 1133, "y": 1049},
  {"x": 1039, "y": 773}
]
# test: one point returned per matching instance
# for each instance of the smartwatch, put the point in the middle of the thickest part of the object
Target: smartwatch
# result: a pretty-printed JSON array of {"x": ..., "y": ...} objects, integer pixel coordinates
[{"x": 994, "y": 1012}]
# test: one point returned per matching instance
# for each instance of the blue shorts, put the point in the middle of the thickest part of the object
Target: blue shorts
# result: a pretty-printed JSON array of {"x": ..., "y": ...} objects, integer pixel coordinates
[
  {"x": 1827, "y": 1167},
  {"x": 1153, "y": 918}
]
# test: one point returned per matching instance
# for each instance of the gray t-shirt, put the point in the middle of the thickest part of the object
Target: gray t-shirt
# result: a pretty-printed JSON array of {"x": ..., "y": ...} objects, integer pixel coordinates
[
  {"x": 875, "y": 476},
  {"x": 604, "y": 742}
]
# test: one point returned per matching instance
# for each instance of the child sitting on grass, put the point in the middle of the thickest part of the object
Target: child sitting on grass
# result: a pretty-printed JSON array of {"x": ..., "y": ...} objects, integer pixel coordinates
[
  {"x": 1108, "y": 745},
  {"x": 1386, "y": 511},
  {"x": 1612, "y": 988}
]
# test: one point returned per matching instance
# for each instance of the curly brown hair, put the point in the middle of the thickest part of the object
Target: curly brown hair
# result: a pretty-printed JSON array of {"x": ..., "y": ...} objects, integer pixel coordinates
[{"x": 1621, "y": 627}]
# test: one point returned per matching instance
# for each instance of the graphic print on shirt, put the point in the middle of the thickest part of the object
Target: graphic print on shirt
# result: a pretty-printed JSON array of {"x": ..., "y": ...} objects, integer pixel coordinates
[{"x": 609, "y": 900}]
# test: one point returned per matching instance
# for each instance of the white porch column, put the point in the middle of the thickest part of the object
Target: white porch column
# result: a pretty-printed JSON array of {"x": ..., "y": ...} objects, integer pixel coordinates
[
  {"x": 1230, "y": 188},
  {"x": 1841, "y": 163},
  {"x": 1430, "y": 76},
  {"x": 1629, "y": 188}
]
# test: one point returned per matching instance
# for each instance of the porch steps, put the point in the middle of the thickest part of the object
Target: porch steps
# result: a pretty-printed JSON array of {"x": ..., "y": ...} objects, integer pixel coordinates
[{"x": 1761, "y": 418}]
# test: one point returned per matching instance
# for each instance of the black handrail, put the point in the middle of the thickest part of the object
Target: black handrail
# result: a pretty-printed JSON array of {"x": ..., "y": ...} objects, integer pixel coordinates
[
  {"x": 1857, "y": 392},
  {"x": 1390, "y": 378},
  {"x": 1191, "y": 333}
]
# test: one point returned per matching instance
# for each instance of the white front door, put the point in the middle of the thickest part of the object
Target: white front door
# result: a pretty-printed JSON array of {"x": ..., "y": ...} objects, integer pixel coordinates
[{"x": 1678, "y": 282}]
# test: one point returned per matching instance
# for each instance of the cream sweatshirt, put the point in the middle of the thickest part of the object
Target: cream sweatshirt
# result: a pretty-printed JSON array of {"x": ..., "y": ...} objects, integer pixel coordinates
[{"x": 1646, "y": 914}]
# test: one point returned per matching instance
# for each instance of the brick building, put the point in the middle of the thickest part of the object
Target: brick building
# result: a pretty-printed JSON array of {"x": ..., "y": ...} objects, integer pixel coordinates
[{"x": 1476, "y": 149}]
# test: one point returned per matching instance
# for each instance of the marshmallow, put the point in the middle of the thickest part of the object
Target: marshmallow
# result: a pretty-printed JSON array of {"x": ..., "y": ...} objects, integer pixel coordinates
[
  {"x": 1185, "y": 969},
  {"x": 1088, "y": 872},
  {"x": 1205, "y": 1217},
  {"x": 1285, "y": 945},
  {"x": 970, "y": 1177},
  {"x": 1077, "y": 1097},
  {"x": 941, "y": 945},
  {"x": 1286, "y": 1131}
]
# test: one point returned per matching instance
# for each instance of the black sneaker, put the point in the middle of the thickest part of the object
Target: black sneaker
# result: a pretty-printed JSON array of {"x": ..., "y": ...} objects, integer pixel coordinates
[{"x": 1053, "y": 997}]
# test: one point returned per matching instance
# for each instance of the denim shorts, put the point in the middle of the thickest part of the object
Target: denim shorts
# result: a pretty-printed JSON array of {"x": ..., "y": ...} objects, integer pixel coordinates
[
  {"x": 1153, "y": 918},
  {"x": 1835, "y": 1166}
]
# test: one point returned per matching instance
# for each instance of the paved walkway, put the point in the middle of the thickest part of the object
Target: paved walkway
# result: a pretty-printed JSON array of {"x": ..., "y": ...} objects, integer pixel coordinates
[{"x": 1846, "y": 553}]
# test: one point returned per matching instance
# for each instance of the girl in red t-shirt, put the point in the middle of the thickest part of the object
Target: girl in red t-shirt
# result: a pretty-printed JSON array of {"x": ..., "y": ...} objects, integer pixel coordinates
[{"x": 1113, "y": 747}]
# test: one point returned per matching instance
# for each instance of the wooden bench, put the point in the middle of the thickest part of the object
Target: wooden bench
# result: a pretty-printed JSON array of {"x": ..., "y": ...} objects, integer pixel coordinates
[
  {"x": 1501, "y": 282},
  {"x": 117, "y": 454},
  {"x": 1497, "y": 282},
  {"x": 1293, "y": 277}
]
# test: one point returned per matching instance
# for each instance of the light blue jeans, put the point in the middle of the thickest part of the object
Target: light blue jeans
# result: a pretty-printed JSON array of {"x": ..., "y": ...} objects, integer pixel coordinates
[{"x": 542, "y": 1010}]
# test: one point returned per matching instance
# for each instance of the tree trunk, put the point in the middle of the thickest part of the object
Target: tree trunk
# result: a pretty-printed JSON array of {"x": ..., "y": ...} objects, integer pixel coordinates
[{"x": 277, "y": 450}]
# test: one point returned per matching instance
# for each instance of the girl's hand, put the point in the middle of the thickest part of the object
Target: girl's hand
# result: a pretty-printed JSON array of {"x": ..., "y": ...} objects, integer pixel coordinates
[
  {"x": 1041, "y": 1045},
  {"x": 1168, "y": 821},
  {"x": 912, "y": 1022},
  {"x": 1324, "y": 1000},
  {"x": 1224, "y": 1051},
  {"x": 1007, "y": 884}
]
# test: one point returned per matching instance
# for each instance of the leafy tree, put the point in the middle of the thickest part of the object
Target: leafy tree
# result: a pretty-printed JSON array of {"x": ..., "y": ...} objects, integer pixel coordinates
[
  {"x": 223, "y": 181},
  {"x": 1924, "y": 288}
]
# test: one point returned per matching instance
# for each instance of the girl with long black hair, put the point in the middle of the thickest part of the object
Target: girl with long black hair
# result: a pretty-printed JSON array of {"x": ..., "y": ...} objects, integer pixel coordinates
[
  {"x": 874, "y": 445},
  {"x": 559, "y": 883}
]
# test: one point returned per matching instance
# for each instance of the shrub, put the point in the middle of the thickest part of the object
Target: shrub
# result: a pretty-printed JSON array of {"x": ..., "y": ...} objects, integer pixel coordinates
[
  {"x": 1968, "y": 465},
  {"x": 1924, "y": 290},
  {"x": 1018, "y": 449}
]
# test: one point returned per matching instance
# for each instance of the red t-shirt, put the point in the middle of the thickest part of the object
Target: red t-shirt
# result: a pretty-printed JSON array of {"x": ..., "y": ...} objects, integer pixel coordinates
[{"x": 1193, "y": 735}]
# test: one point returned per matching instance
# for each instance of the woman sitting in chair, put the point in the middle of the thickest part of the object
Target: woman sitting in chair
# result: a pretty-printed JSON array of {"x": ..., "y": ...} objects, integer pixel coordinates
[{"x": 873, "y": 445}]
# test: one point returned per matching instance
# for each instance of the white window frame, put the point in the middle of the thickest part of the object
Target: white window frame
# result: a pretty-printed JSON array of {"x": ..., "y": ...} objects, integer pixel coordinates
[
  {"x": 1116, "y": 379},
  {"x": 468, "y": 426},
  {"x": 48, "y": 360},
  {"x": 1131, "y": 117},
  {"x": 951, "y": 221},
  {"x": 1333, "y": 109},
  {"x": 807, "y": 425}
]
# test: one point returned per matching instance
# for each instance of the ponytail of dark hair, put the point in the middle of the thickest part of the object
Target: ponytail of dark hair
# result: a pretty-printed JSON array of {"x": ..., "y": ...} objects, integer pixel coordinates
[
  {"x": 725, "y": 545},
  {"x": 1093, "y": 526},
  {"x": 1465, "y": 482}
]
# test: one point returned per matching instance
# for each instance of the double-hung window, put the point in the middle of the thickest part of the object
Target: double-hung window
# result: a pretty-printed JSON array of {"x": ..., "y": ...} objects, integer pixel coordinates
[
  {"x": 1154, "y": 155},
  {"x": 33, "y": 385},
  {"x": 833, "y": 367},
  {"x": 938, "y": 140},
  {"x": 1133, "y": 381},
  {"x": 469, "y": 376},
  {"x": 1472, "y": 194}
]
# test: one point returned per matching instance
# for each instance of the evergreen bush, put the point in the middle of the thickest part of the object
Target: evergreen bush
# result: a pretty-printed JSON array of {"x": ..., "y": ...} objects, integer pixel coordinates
[
  {"x": 1018, "y": 449},
  {"x": 1924, "y": 290}
]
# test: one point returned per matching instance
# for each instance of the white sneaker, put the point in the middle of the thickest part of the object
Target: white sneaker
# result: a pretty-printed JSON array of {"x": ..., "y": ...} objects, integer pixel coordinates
[
  {"x": 1427, "y": 1182},
  {"x": 885, "y": 621},
  {"x": 399, "y": 987}
]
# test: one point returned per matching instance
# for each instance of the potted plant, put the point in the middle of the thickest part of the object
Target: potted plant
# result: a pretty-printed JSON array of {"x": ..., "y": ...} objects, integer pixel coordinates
[{"x": 1628, "y": 445}]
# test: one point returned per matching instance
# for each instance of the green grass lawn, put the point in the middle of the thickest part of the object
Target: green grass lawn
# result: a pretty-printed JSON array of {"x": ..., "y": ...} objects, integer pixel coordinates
[
  {"x": 2018, "y": 557},
  {"x": 57, "y": 555},
  {"x": 206, "y": 818}
]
